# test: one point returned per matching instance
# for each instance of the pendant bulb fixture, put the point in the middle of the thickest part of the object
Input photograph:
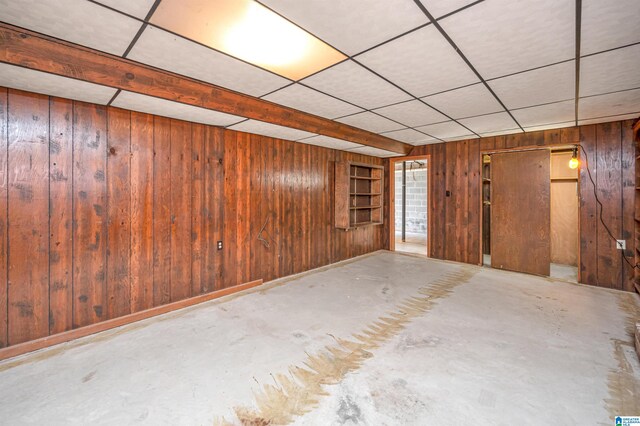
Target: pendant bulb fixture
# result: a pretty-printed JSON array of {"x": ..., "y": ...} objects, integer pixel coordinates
[{"x": 573, "y": 163}]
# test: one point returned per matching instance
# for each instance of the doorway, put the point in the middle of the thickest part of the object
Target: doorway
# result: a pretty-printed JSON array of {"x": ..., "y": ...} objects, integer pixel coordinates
[
  {"x": 410, "y": 205},
  {"x": 530, "y": 211}
]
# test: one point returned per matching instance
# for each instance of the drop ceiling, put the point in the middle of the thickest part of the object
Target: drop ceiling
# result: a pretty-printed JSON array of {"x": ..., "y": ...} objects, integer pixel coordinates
[{"x": 417, "y": 71}]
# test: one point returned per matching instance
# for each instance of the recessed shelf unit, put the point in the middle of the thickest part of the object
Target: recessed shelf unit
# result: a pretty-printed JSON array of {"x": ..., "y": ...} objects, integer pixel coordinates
[{"x": 358, "y": 194}]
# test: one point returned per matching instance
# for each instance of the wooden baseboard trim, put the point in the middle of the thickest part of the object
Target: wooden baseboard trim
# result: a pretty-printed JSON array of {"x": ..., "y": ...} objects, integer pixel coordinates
[{"x": 44, "y": 342}]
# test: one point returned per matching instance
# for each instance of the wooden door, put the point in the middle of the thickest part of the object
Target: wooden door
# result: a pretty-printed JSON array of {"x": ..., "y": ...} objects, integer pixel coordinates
[{"x": 520, "y": 211}]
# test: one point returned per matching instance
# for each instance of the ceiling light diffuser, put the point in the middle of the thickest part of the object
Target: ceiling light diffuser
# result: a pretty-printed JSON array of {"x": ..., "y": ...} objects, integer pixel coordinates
[{"x": 248, "y": 31}]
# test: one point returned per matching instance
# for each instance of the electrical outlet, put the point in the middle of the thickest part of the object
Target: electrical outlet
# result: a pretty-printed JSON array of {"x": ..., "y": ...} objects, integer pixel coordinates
[
  {"x": 219, "y": 245},
  {"x": 621, "y": 244}
]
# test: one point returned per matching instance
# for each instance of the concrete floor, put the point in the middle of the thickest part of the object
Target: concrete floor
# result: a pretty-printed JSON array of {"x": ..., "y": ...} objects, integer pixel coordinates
[
  {"x": 413, "y": 243},
  {"x": 561, "y": 272},
  {"x": 386, "y": 339}
]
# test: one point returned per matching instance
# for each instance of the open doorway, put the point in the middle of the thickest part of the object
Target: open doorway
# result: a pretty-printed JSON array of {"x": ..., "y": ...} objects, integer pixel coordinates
[
  {"x": 411, "y": 205},
  {"x": 530, "y": 211}
]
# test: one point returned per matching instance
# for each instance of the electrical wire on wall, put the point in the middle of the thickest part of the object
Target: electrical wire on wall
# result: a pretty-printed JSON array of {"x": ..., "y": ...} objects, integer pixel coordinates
[{"x": 595, "y": 193}]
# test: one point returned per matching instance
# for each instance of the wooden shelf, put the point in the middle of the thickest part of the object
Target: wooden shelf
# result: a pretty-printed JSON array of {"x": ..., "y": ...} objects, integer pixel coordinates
[
  {"x": 364, "y": 178},
  {"x": 358, "y": 194}
]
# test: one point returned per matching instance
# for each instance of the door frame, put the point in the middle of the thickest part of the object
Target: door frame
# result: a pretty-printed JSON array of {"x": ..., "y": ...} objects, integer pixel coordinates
[
  {"x": 392, "y": 198},
  {"x": 549, "y": 147}
]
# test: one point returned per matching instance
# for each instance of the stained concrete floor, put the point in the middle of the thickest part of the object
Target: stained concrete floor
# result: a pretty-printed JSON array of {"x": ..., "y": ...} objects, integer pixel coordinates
[
  {"x": 413, "y": 243},
  {"x": 456, "y": 344}
]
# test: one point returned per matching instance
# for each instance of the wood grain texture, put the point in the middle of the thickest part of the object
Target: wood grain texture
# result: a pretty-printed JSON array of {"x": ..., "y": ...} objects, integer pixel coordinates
[
  {"x": 60, "y": 216},
  {"x": 43, "y": 53},
  {"x": 118, "y": 213},
  {"x": 564, "y": 222},
  {"x": 520, "y": 212},
  {"x": 89, "y": 213},
  {"x": 150, "y": 198},
  {"x": 4, "y": 211},
  {"x": 588, "y": 218}
]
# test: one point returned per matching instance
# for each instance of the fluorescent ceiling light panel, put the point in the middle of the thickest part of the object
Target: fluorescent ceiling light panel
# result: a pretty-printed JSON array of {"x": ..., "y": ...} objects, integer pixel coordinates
[{"x": 249, "y": 31}]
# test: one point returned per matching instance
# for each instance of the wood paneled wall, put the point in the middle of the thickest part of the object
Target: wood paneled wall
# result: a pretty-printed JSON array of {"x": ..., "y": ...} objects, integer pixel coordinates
[
  {"x": 106, "y": 212},
  {"x": 455, "y": 225}
]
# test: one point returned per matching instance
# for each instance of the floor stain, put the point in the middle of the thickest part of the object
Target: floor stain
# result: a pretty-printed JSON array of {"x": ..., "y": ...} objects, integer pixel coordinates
[
  {"x": 349, "y": 412},
  {"x": 88, "y": 377},
  {"x": 300, "y": 390}
]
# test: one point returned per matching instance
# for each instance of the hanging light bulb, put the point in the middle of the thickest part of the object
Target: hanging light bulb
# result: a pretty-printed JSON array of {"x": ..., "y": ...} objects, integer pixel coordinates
[{"x": 573, "y": 163}]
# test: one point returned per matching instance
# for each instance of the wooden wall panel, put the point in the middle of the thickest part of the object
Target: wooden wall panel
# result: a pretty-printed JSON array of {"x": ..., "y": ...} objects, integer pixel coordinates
[
  {"x": 141, "y": 263},
  {"x": 136, "y": 205},
  {"x": 4, "y": 211},
  {"x": 161, "y": 211},
  {"x": 612, "y": 165},
  {"x": 89, "y": 213},
  {"x": 118, "y": 213},
  {"x": 180, "y": 218},
  {"x": 60, "y": 216},
  {"x": 28, "y": 201}
]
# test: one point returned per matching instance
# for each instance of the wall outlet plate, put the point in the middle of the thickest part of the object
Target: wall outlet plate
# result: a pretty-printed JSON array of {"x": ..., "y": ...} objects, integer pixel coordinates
[{"x": 621, "y": 244}]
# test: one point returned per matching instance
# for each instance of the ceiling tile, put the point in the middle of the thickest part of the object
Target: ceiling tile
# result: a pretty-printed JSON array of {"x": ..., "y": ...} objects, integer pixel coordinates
[
  {"x": 375, "y": 152},
  {"x": 311, "y": 101},
  {"x": 351, "y": 26},
  {"x": 545, "y": 114},
  {"x": 609, "y": 118},
  {"x": 540, "y": 86},
  {"x": 271, "y": 130},
  {"x": 353, "y": 83},
  {"x": 49, "y": 84},
  {"x": 465, "y": 102},
  {"x": 421, "y": 62},
  {"x": 550, "y": 126},
  {"x": 447, "y": 130},
  {"x": 371, "y": 122},
  {"x": 439, "y": 8},
  {"x": 137, "y": 8},
  {"x": 627, "y": 102},
  {"x": 163, "y": 107},
  {"x": 509, "y": 36},
  {"x": 604, "y": 24},
  {"x": 413, "y": 113},
  {"x": 164, "y": 50},
  {"x": 411, "y": 136},
  {"x": 490, "y": 123},
  {"x": 329, "y": 142},
  {"x": 77, "y": 21},
  {"x": 610, "y": 71},
  {"x": 460, "y": 138}
]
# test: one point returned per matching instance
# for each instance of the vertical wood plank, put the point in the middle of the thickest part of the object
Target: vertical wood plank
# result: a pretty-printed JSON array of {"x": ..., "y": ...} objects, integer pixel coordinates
[
  {"x": 4, "y": 207},
  {"x": 450, "y": 201},
  {"x": 230, "y": 274},
  {"x": 609, "y": 192},
  {"x": 180, "y": 193},
  {"x": 258, "y": 217},
  {"x": 118, "y": 213},
  {"x": 243, "y": 205},
  {"x": 462, "y": 202},
  {"x": 90, "y": 192},
  {"x": 197, "y": 208},
  {"x": 214, "y": 202},
  {"x": 162, "y": 211},
  {"x": 474, "y": 180},
  {"x": 588, "y": 221},
  {"x": 28, "y": 290},
  {"x": 141, "y": 211},
  {"x": 60, "y": 216},
  {"x": 628, "y": 199}
]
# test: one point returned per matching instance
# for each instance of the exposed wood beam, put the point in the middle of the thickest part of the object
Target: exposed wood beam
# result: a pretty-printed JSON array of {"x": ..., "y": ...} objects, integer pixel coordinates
[{"x": 42, "y": 53}]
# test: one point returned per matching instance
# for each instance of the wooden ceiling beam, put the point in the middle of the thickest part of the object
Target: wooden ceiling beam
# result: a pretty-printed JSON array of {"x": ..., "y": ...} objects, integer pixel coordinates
[{"x": 42, "y": 53}]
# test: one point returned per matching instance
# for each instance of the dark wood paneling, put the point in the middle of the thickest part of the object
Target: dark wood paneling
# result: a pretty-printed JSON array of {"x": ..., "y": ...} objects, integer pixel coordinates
[
  {"x": 4, "y": 207},
  {"x": 28, "y": 201},
  {"x": 197, "y": 205},
  {"x": 161, "y": 211},
  {"x": 43, "y": 53},
  {"x": 118, "y": 213},
  {"x": 142, "y": 155},
  {"x": 628, "y": 195},
  {"x": 89, "y": 213},
  {"x": 60, "y": 216},
  {"x": 609, "y": 152}
]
